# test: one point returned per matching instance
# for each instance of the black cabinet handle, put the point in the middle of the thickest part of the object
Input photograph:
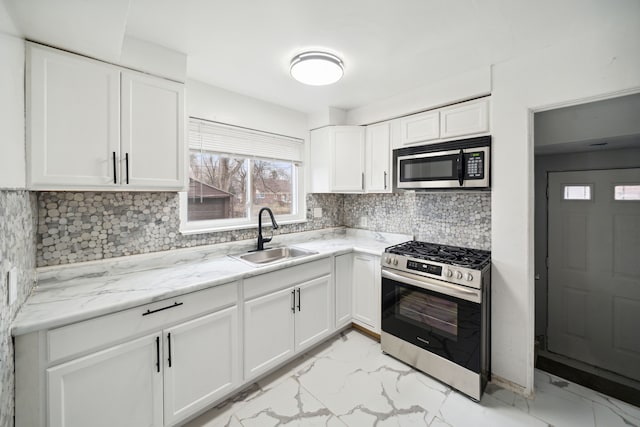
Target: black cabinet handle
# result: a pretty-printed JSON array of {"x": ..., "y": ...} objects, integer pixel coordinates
[
  {"x": 169, "y": 348},
  {"x": 385, "y": 180},
  {"x": 299, "y": 302},
  {"x": 158, "y": 354},
  {"x": 461, "y": 167},
  {"x": 126, "y": 162},
  {"x": 175, "y": 304},
  {"x": 115, "y": 178},
  {"x": 293, "y": 300}
]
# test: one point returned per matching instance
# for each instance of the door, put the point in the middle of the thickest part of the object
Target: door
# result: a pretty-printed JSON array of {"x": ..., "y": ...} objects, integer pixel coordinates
[
  {"x": 152, "y": 132},
  {"x": 201, "y": 363},
  {"x": 366, "y": 305},
  {"x": 377, "y": 156},
  {"x": 594, "y": 268},
  {"x": 268, "y": 339},
  {"x": 348, "y": 158},
  {"x": 119, "y": 386},
  {"x": 313, "y": 311},
  {"x": 73, "y": 107}
]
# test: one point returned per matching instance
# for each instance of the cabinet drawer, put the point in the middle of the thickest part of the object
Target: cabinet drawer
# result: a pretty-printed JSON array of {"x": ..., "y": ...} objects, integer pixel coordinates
[
  {"x": 280, "y": 279},
  {"x": 92, "y": 334}
]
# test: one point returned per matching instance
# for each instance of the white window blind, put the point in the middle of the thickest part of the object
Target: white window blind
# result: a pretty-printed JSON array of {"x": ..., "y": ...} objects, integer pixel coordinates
[{"x": 220, "y": 138}]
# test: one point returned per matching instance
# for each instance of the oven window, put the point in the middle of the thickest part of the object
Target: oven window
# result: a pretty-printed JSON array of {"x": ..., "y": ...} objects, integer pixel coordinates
[{"x": 427, "y": 310}]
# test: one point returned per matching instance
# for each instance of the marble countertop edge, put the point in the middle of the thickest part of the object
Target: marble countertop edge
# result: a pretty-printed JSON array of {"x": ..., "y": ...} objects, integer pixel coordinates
[{"x": 82, "y": 292}]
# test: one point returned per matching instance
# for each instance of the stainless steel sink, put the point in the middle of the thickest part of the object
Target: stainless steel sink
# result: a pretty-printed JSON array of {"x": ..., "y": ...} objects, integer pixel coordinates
[{"x": 273, "y": 255}]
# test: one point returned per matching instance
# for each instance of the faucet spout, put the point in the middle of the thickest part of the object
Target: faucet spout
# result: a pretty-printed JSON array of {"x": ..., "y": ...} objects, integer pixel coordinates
[{"x": 274, "y": 224}]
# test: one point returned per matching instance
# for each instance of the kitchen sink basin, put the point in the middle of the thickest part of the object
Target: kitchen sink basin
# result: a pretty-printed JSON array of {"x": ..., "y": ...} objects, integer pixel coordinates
[{"x": 273, "y": 255}]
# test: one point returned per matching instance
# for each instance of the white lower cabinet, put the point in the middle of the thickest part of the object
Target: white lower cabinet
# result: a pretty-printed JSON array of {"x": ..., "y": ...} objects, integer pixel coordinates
[
  {"x": 313, "y": 311},
  {"x": 286, "y": 311},
  {"x": 201, "y": 363},
  {"x": 269, "y": 339},
  {"x": 343, "y": 276},
  {"x": 366, "y": 291},
  {"x": 150, "y": 366},
  {"x": 119, "y": 386}
]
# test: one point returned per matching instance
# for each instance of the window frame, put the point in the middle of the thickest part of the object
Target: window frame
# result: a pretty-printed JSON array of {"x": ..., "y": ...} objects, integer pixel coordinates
[{"x": 210, "y": 226}]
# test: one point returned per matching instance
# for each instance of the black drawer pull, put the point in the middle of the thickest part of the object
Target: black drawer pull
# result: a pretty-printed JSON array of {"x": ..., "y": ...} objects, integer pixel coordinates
[
  {"x": 158, "y": 354},
  {"x": 175, "y": 304},
  {"x": 169, "y": 345},
  {"x": 115, "y": 178}
]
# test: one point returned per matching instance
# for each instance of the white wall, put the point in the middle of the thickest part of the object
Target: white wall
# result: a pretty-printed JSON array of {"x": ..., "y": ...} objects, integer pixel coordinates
[
  {"x": 600, "y": 63},
  {"x": 12, "y": 142},
  {"x": 212, "y": 103}
]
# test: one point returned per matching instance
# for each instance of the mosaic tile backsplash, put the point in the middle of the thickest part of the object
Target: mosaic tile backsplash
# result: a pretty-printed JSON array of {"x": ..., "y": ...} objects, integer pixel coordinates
[
  {"x": 450, "y": 218},
  {"x": 17, "y": 249},
  {"x": 85, "y": 226}
]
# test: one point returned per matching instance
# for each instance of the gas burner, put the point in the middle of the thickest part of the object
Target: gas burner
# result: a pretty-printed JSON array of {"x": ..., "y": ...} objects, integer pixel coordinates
[{"x": 453, "y": 255}]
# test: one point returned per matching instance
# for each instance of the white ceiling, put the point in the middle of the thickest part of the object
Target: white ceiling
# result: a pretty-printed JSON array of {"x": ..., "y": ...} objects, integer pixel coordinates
[{"x": 388, "y": 46}]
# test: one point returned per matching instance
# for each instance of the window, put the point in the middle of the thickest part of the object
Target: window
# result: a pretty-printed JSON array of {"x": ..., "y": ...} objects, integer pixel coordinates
[
  {"x": 235, "y": 172},
  {"x": 627, "y": 192},
  {"x": 577, "y": 192}
]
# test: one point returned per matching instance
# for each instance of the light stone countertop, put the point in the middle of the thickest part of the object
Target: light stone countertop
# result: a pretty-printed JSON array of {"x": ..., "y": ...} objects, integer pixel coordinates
[{"x": 76, "y": 292}]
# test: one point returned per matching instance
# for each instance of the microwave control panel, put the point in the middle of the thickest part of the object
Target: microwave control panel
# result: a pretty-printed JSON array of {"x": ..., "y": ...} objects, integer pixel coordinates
[{"x": 474, "y": 165}]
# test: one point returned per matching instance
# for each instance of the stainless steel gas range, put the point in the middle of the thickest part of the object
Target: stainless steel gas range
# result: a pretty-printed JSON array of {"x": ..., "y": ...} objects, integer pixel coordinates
[{"x": 436, "y": 312}]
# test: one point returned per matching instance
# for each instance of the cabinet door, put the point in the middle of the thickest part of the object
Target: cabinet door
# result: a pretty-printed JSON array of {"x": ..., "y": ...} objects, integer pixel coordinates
[
  {"x": 313, "y": 311},
  {"x": 465, "y": 119},
  {"x": 366, "y": 308},
  {"x": 119, "y": 386},
  {"x": 348, "y": 158},
  {"x": 201, "y": 363},
  {"x": 152, "y": 132},
  {"x": 343, "y": 289},
  {"x": 73, "y": 114},
  {"x": 420, "y": 128},
  {"x": 268, "y": 323},
  {"x": 378, "y": 159}
]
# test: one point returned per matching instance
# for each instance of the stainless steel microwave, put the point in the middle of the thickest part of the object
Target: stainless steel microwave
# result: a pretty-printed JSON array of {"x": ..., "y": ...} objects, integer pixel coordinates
[{"x": 454, "y": 164}]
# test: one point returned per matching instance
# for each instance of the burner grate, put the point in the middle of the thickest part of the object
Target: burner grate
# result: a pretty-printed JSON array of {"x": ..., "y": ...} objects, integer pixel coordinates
[{"x": 455, "y": 255}]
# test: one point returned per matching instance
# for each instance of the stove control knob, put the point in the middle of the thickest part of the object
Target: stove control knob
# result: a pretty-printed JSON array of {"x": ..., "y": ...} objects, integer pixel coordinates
[
  {"x": 388, "y": 260},
  {"x": 458, "y": 275},
  {"x": 395, "y": 261},
  {"x": 469, "y": 277},
  {"x": 448, "y": 273}
]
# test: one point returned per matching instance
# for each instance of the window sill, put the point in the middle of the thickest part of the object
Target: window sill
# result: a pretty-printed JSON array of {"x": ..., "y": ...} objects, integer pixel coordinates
[{"x": 188, "y": 229}]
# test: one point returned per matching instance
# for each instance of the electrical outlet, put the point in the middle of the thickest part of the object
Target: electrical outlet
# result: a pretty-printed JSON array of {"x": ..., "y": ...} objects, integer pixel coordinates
[
  {"x": 12, "y": 281},
  {"x": 363, "y": 221},
  {"x": 317, "y": 212}
]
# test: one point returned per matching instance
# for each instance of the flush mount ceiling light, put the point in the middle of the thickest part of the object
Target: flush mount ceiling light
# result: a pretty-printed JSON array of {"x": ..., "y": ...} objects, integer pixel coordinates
[{"x": 316, "y": 68}]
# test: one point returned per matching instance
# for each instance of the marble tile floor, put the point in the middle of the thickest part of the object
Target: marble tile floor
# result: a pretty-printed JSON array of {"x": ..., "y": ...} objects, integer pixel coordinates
[{"x": 349, "y": 382}]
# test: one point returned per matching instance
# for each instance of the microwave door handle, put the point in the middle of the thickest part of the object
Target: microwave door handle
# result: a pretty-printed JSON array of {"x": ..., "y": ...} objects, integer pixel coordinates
[{"x": 461, "y": 167}]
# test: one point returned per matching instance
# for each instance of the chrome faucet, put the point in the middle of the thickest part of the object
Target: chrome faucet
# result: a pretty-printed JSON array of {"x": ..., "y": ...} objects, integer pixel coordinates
[{"x": 261, "y": 240}]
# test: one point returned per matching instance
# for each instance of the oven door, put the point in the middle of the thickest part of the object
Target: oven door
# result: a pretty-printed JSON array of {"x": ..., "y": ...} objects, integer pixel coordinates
[{"x": 442, "y": 318}]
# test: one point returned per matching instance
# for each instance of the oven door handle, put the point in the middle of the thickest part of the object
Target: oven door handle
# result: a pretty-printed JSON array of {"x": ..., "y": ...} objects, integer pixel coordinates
[{"x": 435, "y": 285}]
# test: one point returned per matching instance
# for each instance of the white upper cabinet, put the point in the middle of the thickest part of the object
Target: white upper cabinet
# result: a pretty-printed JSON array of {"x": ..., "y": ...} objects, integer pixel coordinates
[
  {"x": 337, "y": 159},
  {"x": 468, "y": 118},
  {"x": 152, "y": 131},
  {"x": 431, "y": 127},
  {"x": 95, "y": 126},
  {"x": 378, "y": 158},
  {"x": 73, "y": 121},
  {"x": 347, "y": 143},
  {"x": 420, "y": 127}
]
